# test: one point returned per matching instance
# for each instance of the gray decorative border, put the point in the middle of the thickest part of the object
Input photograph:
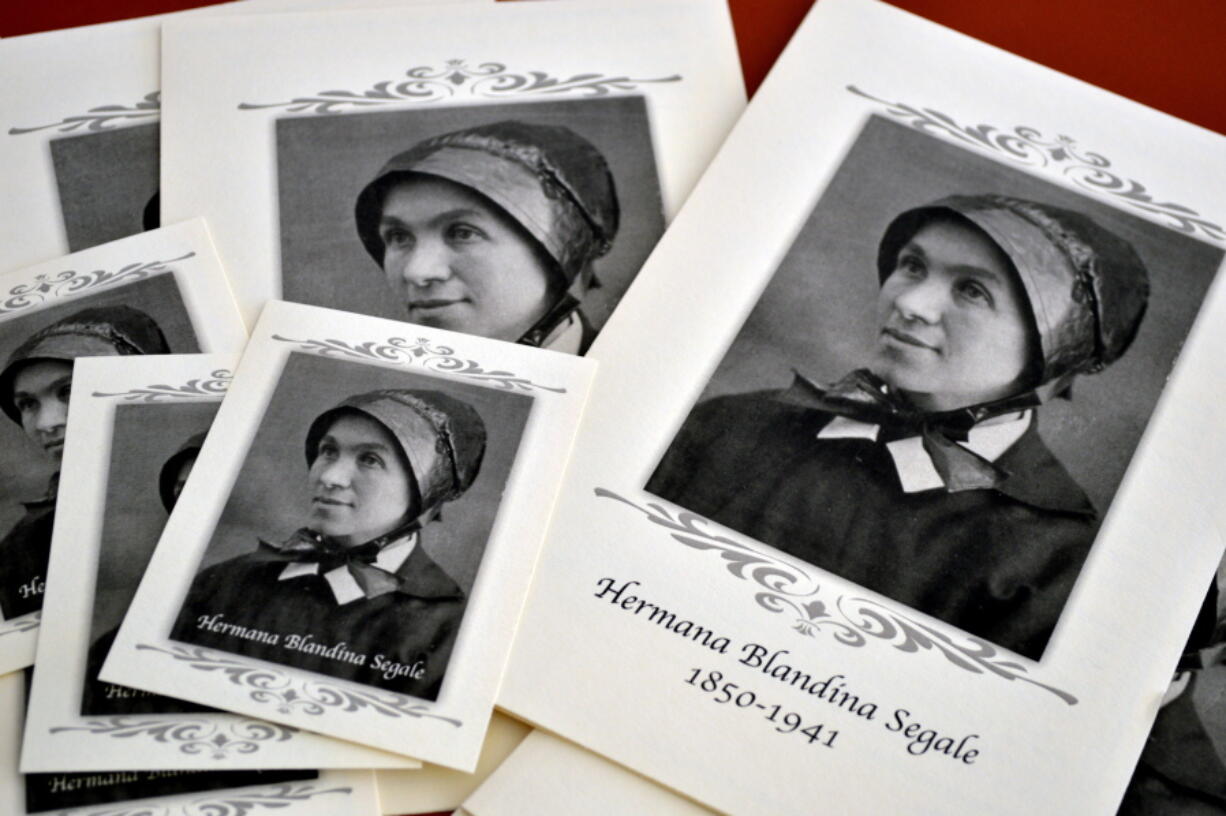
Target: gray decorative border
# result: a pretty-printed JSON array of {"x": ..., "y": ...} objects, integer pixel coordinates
[
  {"x": 236, "y": 803},
  {"x": 1027, "y": 145},
  {"x": 784, "y": 588},
  {"x": 221, "y": 738},
  {"x": 54, "y": 285},
  {"x": 426, "y": 83},
  {"x": 212, "y": 386},
  {"x": 433, "y": 358},
  {"x": 293, "y": 694},
  {"x": 103, "y": 117},
  {"x": 25, "y": 623}
]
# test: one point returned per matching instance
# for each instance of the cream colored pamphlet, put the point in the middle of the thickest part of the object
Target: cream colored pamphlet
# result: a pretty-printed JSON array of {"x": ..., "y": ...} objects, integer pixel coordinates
[
  {"x": 577, "y": 127},
  {"x": 898, "y": 490},
  {"x": 357, "y": 561},
  {"x": 124, "y": 793},
  {"x": 547, "y": 775},
  {"x": 433, "y": 789},
  {"x": 79, "y": 114},
  {"x": 135, "y": 427},
  {"x": 161, "y": 292}
]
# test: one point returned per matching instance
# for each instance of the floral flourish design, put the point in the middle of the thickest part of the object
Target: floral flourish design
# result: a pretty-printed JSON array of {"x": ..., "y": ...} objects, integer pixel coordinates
[
  {"x": 235, "y": 803},
  {"x": 102, "y": 117},
  {"x": 295, "y": 694},
  {"x": 53, "y": 285},
  {"x": 786, "y": 589},
  {"x": 193, "y": 736},
  {"x": 213, "y": 385},
  {"x": 26, "y": 623},
  {"x": 426, "y": 83},
  {"x": 1088, "y": 170},
  {"x": 433, "y": 358}
]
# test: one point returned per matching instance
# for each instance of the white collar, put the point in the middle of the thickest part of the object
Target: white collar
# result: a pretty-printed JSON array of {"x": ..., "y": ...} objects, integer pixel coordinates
[
  {"x": 916, "y": 471},
  {"x": 344, "y": 587}
]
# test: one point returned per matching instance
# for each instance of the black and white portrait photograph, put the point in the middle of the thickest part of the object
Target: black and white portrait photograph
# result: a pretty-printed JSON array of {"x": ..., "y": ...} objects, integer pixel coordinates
[
  {"x": 107, "y": 183},
  {"x": 354, "y": 532},
  {"x": 523, "y": 222},
  {"x": 942, "y": 385},
  {"x": 153, "y": 449},
  {"x": 145, "y": 317}
]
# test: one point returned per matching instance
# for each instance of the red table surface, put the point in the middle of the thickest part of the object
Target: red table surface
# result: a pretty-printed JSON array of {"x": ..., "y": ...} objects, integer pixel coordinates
[
  {"x": 1168, "y": 56},
  {"x": 1172, "y": 59}
]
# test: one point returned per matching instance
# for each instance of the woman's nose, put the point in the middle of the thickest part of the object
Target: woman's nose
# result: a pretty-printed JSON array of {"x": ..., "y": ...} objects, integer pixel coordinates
[
  {"x": 428, "y": 262},
  {"x": 52, "y": 415},
  {"x": 336, "y": 473},
  {"x": 923, "y": 300}
]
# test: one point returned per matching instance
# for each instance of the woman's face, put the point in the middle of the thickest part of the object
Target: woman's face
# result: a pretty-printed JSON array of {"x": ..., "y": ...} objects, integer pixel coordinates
[
  {"x": 953, "y": 324},
  {"x": 360, "y": 483},
  {"x": 40, "y": 392},
  {"x": 458, "y": 263}
]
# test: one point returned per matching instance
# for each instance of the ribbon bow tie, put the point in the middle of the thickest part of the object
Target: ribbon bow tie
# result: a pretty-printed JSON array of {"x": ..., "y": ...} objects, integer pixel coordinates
[
  {"x": 865, "y": 397},
  {"x": 307, "y": 546}
]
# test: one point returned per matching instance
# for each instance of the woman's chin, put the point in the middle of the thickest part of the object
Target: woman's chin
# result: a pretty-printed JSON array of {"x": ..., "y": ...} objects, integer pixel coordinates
[
  {"x": 327, "y": 528},
  {"x": 900, "y": 378}
]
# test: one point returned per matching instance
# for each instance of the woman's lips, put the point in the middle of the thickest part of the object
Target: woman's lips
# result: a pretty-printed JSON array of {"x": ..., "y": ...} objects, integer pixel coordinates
[
  {"x": 331, "y": 502},
  {"x": 908, "y": 339},
  {"x": 432, "y": 305}
]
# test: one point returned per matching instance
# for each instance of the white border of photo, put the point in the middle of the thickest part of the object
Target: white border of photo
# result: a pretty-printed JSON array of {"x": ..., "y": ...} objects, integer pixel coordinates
[
  {"x": 353, "y": 791},
  {"x": 450, "y": 730},
  {"x": 1127, "y": 618}
]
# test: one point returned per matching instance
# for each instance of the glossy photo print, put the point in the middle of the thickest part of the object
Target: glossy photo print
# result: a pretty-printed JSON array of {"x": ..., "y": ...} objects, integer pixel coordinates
[
  {"x": 355, "y": 531},
  {"x": 941, "y": 387},
  {"x": 522, "y": 222},
  {"x": 145, "y": 317}
]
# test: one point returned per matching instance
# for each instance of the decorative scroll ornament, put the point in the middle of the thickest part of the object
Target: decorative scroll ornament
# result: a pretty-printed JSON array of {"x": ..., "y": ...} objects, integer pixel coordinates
[
  {"x": 234, "y": 803},
  {"x": 54, "y": 285},
  {"x": 214, "y": 385},
  {"x": 432, "y": 358},
  {"x": 1088, "y": 170},
  {"x": 26, "y": 623},
  {"x": 219, "y": 739},
  {"x": 456, "y": 78},
  {"x": 787, "y": 589},
  {"x": 299, "y": 695},
  {"x": 103, "y": 117}
]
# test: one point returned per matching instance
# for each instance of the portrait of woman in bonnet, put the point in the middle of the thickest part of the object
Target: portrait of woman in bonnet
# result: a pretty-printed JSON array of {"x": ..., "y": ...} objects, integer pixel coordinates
[
  {"x": 35, "y": 386},
  {"x": 494, "y": 230},
  {"x": 922, "y": 475},
  {"x": 353, "y": 582}
]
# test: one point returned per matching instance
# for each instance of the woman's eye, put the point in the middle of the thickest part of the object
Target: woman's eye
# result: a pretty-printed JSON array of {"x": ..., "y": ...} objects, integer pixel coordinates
[
  {"x": 975, "y": 291},
  {"x": 396, "y": 237},
  {"x": 327, "y": 451},
  {"x": 370, "y": 460},
  {"x": 463, "y": 232},
  {"x": 64, "y": 393},
  {"x": 26, "y": 406},
  {"x": 911, "y": 265}
]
